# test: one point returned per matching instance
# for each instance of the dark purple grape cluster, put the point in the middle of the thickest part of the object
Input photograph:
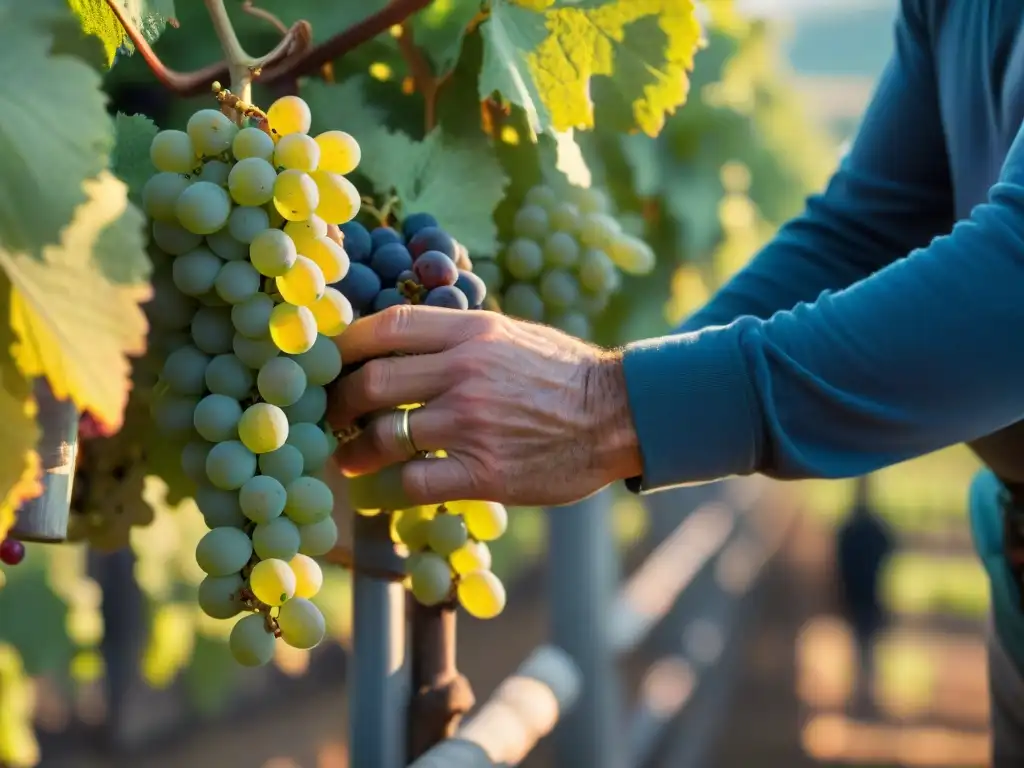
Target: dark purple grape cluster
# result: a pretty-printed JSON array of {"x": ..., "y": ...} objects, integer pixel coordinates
[{"x": 418, "y": 264}]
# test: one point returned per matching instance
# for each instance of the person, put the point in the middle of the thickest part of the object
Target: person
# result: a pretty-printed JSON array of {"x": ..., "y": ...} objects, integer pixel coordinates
[{"x": 884, "y": 322}]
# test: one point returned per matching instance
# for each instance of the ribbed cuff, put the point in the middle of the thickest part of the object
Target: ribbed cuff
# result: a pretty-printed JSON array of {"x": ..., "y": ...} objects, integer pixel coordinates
[{"x": 694, "y": 408}]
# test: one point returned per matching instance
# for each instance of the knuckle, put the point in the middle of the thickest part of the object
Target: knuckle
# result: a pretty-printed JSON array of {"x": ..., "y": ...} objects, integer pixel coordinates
[
  {"x": 470, "y": 361},
  {"x": 394, "y": 322},
  {"x": 376, "y": 380}
]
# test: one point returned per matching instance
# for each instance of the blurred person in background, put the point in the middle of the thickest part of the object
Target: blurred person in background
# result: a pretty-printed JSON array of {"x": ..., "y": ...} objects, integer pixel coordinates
[{"x": 883, "y": 323}]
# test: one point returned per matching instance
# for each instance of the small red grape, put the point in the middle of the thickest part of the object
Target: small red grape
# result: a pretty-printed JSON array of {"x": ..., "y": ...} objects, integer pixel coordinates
[
  {"x": 12, "y": 551},
  {"x": 435, "y": 269}
]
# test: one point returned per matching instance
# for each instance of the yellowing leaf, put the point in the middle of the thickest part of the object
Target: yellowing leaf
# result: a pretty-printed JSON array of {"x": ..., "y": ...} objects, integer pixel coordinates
[
  {"x": 557, "y": 60},
  {"x": 150, "y": 16},
  {"x": 73, "y": 325}
]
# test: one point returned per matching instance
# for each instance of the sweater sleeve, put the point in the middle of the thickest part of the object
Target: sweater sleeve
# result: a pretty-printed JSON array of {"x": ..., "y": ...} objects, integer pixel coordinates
[{"x": 891, "y": 194}]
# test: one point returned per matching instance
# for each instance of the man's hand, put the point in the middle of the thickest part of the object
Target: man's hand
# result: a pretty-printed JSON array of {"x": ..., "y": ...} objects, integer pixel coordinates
[{"x": 526, "y": 414}]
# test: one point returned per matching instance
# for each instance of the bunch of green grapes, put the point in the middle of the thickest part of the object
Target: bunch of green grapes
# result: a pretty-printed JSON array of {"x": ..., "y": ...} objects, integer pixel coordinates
[
  {"x": 566, "y": 259},
  {"x": 247, "y": 210}
]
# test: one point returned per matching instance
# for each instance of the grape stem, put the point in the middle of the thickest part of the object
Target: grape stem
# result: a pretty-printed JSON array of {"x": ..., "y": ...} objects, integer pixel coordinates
[
  {"x": 267, "y": 16},
  {"x": 423, "y": 77},
  {"x": 344, "y": 557}
]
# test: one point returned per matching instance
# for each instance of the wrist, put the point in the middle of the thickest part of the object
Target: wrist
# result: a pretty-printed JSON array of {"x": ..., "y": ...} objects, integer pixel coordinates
[{"x": 615, "y": 448}]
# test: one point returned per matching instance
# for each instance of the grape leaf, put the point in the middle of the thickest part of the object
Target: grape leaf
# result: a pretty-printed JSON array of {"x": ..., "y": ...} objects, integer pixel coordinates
[
  {"x": 550, "y": 59},
  {"x": 439, "y": 28},
  {"x": 149, "y": 17},
  {"x": 130, "y": 159},
  {"x": 73, "y": 324},
  {"x": 342, "y": 107},
  {"x": 56, "y": 134},
  {"x": 54, "y": 19}
]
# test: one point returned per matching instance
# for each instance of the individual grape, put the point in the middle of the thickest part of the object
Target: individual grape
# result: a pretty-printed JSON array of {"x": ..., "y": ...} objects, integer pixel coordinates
[
  {"x": 339, "y": 152},
  {"x": 237, "y": 281},
  {"x": 247, "y": 221},
  {"x": 262, "y": 499},
  {"x": 471, "y": 556},
  {"x": 330, "y": 257},
  {"x": 317, "y": 539},
  {"x": 170, "y": 237},
  {"x": 289, "y": 114},
  {"x": 360, "y": 286},
  {"x": 339, "y": 198},
  {"x": 284, "y": 465},
  {"x": 310, "y": 408},
  {"x": 446, "y": 534},
  {"x": 632, "y": 255},
  {"x": 446, "y": 296},
  {"x": 251, "y": 182},
  {"x": 322, "y": 363},
  {"x": 292, "y": 328},
  {"x": 561, "y": 250},
  {"x": 218, "y": 596},
  {"x": 472, "y": 286},
  {"x": 277, "y": 539},
  {"x": 389, "y": 297},
  {"x": 263, "y": 428},
  {"x": 309, "y": 500},
  {"x": 565, "y": 217},
  {"x": 250, "y": 643},
  {"x": 431, "y": 579},
  {"x": 522, "y": 300},
  {"x": 12, "y": 552},
  {"x": 172, "y": 152},
  {"x": 272, "y": 252},
  {"x": 486, "y": 520},
  {"x": 296, "y": 196},
  {"x": 211, "y": 132},
  {"x": 531, "y": 222},
  {"x": 252, "y": 142},
  {"x": 312, "y": 444},
  {"x": 357, "y": 242},
  {"x": 559, "y": 290},
  {"x": 281, "y": 381},
  {"x": 308, "y": 576},
  {"x": 172, "y": 414},
  {"x": 215, "y": 172},
  {"x": 524, "y": 259},
  {"x": 223, "y": 551},
  {"x": 389, "y": 261},
  {"x": 229, "y": 465},
  {"x": 411, "y": 527},
  {"x": 216, "y": 418},
  {"x": 542, "y": 196},
  {"x": 382, "y": 236},
  {"x": 193, "y": 460},
  {"x": 593, "y": 305},
  {"x": 591, "y": 200},
  {"x": 304, "y": 233},
  {"x": 489, "y": 271},
  {"x": 432, "y": 239},
  {"x": 272, "y": 581},
  {"x": 212, "y": 330},
  {"x": 223, "y": 243},
  {"x": 596, "y": 271},
  {"x": 160, "y": 195},
  {"x": 303, "y": 284},
  {"x": 254, "y": 352},
  {"x": 196, "y": 272},
  {"x": 302, "y": 625},
  {"x": 252, "y": 317},
  {"x": 574, "y": 323},
  {"x": 298, "y": 152},
  {"x": 202, "y": 208},
  {"x": 184, "y": 371},
  {"x": 220, "y": 508},
  {"x": 482, "y": 594},
  {"x": 434, "y": 269},
  {"x": 415, "y": 222},
  {"x": 332, "y": 312},
  {"x": 229, "y": 376},
  {"x": 598, "y": 230}
]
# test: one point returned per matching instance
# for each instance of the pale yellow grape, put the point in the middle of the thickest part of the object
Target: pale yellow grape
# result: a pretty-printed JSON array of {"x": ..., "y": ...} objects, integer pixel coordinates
[
  {"x": 471, "y": 556},
  {"x": 297, "y": 151},
  {"x": 308, "y": 576},
  {"x": 338, "y": 197},
  {"x": 252, "y": 181},
  {"x": 304, "y": 232},
  {"x": 292, "y": 328},
  {"x": 272, "y": 581},
  {"x": 333, "y": 312},
  {"x": 272, "y": 252},
  {"x": 482, "y": 594},
  {"x": 296, "y": 196},
  {"x": 302, "y": 625},
  {"x": 303, "y": 284},
  {"x": 263, "y": 428},
  {"x": 431, "y": 579},
  {"x": 289, "y": 114},
  {"x": 329, "y": 256},
  {"x": 172, "y": 152},
  {"x": 211, "y": 132},
  {"x": 252, "y": 142},
  {"x": 339, "y": 152},
  {"x": 486, "y": 520},
  {"x": 632, "y": 255}
]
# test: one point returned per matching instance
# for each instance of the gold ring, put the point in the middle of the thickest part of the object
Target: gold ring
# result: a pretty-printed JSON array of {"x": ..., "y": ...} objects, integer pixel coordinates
[{"x": 402, "y": 434}]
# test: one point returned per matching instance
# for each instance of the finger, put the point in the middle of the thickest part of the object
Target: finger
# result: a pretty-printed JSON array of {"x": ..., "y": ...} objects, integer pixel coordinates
[
  {"x": 435, "y": 481},
  {"x": 408, "y": 329},
  {"x": 386, "y": 383},
  {"x": 378, "y": 446}
]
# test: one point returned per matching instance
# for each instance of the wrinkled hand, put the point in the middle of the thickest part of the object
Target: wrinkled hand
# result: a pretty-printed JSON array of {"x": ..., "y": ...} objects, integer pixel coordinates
[{"x": 526, "y": 414}]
